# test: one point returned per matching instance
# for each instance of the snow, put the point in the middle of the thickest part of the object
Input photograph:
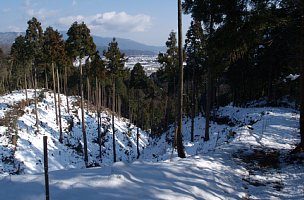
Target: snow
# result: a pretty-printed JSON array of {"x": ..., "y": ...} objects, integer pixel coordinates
[
  {"x": 247, "y": 157},
  {"x": 28, "y": 156},
  {"x": 293, "y": 77}
]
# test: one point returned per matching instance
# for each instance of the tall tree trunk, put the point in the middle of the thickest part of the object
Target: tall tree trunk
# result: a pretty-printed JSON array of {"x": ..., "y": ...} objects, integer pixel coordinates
[
  {"x": 36, "y": 100},
  {"x": 113, "y": 126},
  {"x": 98, "y": 95},
  {"x": 302, "y": 106},
  {"x": 25, "y": 83},
  {"x": 59, "y": 110},
  {"x": 66, "y": 88},
  {"x": 209, "y": 87},
  {"x": 97, "y": 104},
  {"x": 180, "y": 146},
  {"x": 54, "y": 90},
  {"x": 103, "y": 102},
  {"x": 137, "y": 122},
  {"x": 46, "y": 77},
  {"x": 85, "y": 145},
  {"x": 192, "y": 107},
  {"x": 118, "y": 105},
  {"x": 208, "y": 103},
  {"x": 302, "y": 80},
  {"x": 88, "y": 98},
  {"x": 32, "y": 79}
]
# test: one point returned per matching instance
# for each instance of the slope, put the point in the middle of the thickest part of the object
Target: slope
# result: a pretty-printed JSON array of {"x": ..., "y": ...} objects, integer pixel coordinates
[
  {"x": 27, "y": 155},
  {"x": 247, "y": 157}
]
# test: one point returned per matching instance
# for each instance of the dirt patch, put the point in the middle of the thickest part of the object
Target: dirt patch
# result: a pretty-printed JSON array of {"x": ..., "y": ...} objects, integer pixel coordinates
[
  {"x": 260, "y": 162},
  {"x": 259, "y": 158}
]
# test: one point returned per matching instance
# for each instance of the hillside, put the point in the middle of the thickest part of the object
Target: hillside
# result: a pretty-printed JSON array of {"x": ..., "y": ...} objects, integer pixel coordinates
[
  {"x": 130, "y": 47},
  {"x": 247, "y": 157},
  {"x": 27, "y": 158}
]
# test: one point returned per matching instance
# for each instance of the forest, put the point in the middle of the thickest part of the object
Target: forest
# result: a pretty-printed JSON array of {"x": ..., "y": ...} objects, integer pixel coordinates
[{"x": 235, "y": 52}]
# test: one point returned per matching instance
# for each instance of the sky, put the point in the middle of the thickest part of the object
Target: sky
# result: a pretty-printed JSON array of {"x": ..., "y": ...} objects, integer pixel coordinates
[{"x": 146, "y": 21}]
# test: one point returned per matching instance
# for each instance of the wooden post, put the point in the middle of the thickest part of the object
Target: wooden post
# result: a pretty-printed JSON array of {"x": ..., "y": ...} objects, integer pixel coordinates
[
  {"x": 46, "y": 173},
  {"x": 14, "y": 140}
]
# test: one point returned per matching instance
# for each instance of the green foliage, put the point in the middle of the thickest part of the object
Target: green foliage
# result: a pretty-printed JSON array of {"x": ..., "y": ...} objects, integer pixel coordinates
[
  {"x": 34, "y": 39},
  {"x": 169, "y": 64},
  {"x": 115, "y": 60},
  {"x": 80, "y": 42},
  {"x": 53, "y": 47},
  {"x": 195, "y": 47},
  {"x": 20, "y": 56},
  {"x": 97, "y": 67},
  {"x": 138, "y": 79}
]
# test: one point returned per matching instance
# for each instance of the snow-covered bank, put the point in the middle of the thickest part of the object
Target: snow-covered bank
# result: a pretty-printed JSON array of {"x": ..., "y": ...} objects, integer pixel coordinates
[
  {"x": 247, "y": 157},
  {"x": 28, "y": 156}
]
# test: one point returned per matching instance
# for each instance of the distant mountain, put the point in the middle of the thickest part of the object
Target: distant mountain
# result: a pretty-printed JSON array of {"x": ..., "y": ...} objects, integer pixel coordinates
[
  {"x": 129, "y": 47},
  {"x": 7, "y": 38}
]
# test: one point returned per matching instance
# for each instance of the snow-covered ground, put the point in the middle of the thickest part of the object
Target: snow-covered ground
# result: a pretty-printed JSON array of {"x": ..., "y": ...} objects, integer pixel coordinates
[
  {"x": 247, "y": 159},
  {"x": 28, "y": 156}
]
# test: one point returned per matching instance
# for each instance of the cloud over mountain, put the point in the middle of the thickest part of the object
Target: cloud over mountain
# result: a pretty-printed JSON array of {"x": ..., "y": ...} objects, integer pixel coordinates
[{"x": 111, "y": 21}]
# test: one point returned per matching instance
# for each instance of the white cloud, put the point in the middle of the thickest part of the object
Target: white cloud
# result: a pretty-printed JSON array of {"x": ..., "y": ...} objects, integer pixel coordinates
[
  {"x": 41, "y": 14},
  {"x": 112, "y": 22},
  {"x": 68, "y": 21}
]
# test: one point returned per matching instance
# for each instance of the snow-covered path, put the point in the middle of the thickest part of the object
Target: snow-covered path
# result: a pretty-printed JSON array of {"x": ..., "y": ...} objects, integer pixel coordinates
[{"x": 252, "y": 164}]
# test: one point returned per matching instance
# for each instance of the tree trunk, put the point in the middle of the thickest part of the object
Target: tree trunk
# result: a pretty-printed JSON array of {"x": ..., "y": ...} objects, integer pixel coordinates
[
  {"x": 192, "y": 108},
  {"x": 85, "y": 146},
  {"x": 180, "y": 146},
  {"x": 302, "y": 82},
  {"x": 25, "y": 83},
  {"x": 113, "y": 126},
  {"x": 302, "y": 107},
  {"x": 54, "y": 90},
  {"x": 137, "y": 122},
  {"x": 103, "y": 96},
  {"x": 36, "y": 100},
  {"x": 59, "y": 109},
  {"x": 46, "y": 78},
  {"x": 66, "y": 88},
  {"x": 209, "y": 87},
  {"x": 88, "y": 98},
  {"x": 98, "y": 104},
  {"x": 208, "y": 104}
]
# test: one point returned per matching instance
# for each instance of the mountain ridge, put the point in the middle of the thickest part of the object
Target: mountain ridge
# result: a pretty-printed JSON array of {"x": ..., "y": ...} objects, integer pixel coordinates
[{"x": 127, "y": 46}]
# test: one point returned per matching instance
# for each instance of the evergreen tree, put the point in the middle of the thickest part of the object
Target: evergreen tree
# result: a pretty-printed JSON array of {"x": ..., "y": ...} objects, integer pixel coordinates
[
  {"x": 138, "y": 78},
  {"x": 20, "y": 59},
  {"x": 79, "y": 45},
  {"x": 54, "y": 50},
  {"x": 98, "y": 71},
  {"x": 211, "y": 14},
  {"x": 195, "y": 47},
  {"x": 169, "y": 63},
  {"x": 138, "y": 82},
  {"x": 5, "y": 72},
  {"x": 115, "y": 61},
  {"x": 167, "y": 77},
  {"x": 34, "y": 40}
]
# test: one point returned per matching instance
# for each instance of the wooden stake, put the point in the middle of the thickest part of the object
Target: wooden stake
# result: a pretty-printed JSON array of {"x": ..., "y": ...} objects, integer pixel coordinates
[{"x": 46, "y": 173}]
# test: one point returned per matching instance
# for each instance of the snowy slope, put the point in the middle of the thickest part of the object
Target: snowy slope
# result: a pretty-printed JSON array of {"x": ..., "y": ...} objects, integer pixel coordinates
[
  {"x": 247, "y": 157},
  {"x": 28, "y": 156}
]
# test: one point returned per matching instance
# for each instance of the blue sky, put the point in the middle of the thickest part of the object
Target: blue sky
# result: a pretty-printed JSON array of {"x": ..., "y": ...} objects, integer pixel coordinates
[{"x": 147, "y": 21}]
